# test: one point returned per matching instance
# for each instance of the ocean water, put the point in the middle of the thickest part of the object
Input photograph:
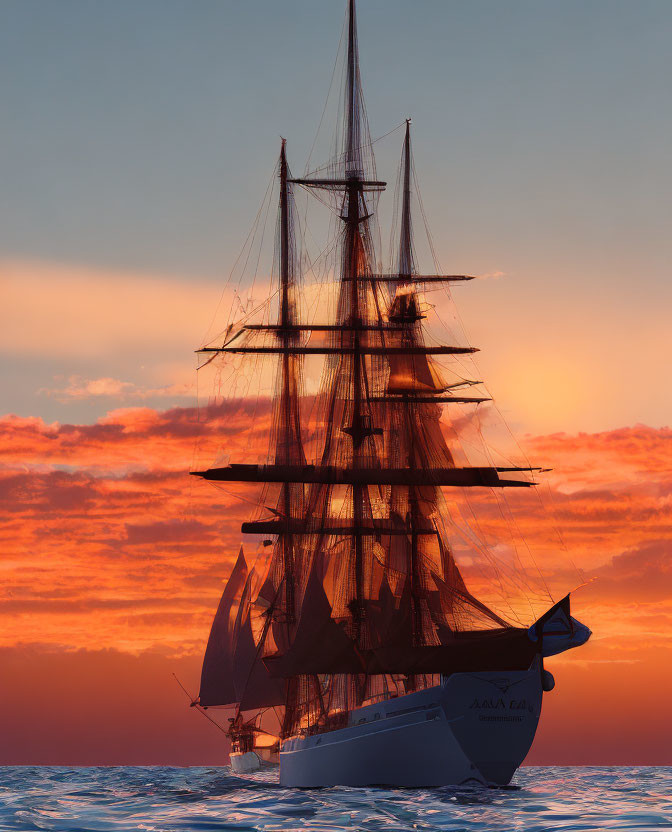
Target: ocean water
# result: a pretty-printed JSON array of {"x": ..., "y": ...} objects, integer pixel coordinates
[{"x": 203, "y": 799}]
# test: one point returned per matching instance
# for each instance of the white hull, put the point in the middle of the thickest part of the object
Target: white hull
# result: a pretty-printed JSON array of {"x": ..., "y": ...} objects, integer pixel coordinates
[
  {"x": 474, "y": 727},
  {"x": 249, "y": 761}
]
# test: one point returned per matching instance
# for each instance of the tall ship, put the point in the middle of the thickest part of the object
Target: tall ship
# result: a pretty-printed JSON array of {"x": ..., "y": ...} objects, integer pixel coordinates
[{"x": 351, "y": 646}]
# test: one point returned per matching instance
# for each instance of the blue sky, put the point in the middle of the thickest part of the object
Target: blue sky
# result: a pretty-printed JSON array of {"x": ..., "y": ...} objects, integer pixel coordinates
[{"x": 139, "y": 137}]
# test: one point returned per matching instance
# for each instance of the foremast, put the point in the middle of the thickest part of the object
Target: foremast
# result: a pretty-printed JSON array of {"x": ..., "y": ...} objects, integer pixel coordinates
[
  {"x": 232, "y": 669},
  {"x": 289, "y": 446}
]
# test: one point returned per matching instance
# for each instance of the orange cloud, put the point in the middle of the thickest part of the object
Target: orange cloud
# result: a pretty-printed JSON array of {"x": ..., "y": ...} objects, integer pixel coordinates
[
  {"x": 106, "y": 539},
  {"x": 105, "y": 536},
  {"x": 108, "y": 543}
]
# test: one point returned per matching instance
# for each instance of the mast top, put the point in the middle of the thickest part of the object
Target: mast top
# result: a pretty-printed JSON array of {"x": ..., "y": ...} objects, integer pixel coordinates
[
  {"x": 352, "y": 98},
  {"x": 406, "y": 263}
]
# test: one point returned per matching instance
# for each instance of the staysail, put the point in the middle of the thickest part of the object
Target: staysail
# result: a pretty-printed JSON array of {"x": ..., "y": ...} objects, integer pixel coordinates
[{"x": 218, "y": 685}]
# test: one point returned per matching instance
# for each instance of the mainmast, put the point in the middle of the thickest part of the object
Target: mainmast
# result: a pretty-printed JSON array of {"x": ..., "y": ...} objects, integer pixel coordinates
[
  {"x": 351, "y": 263},
  {"x": 352, "y": 95}
]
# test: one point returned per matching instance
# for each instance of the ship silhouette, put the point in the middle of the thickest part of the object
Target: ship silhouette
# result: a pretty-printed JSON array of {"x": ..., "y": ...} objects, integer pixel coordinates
[{"x": 357, "y": 628}]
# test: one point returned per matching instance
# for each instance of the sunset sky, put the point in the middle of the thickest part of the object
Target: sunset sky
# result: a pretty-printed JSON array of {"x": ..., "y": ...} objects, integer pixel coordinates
[{"x": 138, "y": 140}]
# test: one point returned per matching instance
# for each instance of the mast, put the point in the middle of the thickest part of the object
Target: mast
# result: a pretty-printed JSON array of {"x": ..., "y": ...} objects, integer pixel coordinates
[
  {"x": 284, "y": 239},
  {"x": 352, "y": 127},
  {"x": 405, "y": 241},
  {"x": 405, "y": 269},
  {"x": 289, "y": 438},
  {"x": 351, "y": 271},
  {"x": 283, "y": 450}
]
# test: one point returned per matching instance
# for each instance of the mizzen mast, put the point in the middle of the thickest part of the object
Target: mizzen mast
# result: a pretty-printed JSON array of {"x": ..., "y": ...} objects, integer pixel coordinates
[{"x": 405, "y": 269}]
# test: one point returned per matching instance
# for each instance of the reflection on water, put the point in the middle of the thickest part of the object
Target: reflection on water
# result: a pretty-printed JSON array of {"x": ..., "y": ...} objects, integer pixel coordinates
[{"x": 164, "y": 799}]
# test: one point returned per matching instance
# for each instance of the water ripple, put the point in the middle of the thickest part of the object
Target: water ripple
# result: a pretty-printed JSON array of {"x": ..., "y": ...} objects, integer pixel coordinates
[{"x": 156, "y": 799}]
